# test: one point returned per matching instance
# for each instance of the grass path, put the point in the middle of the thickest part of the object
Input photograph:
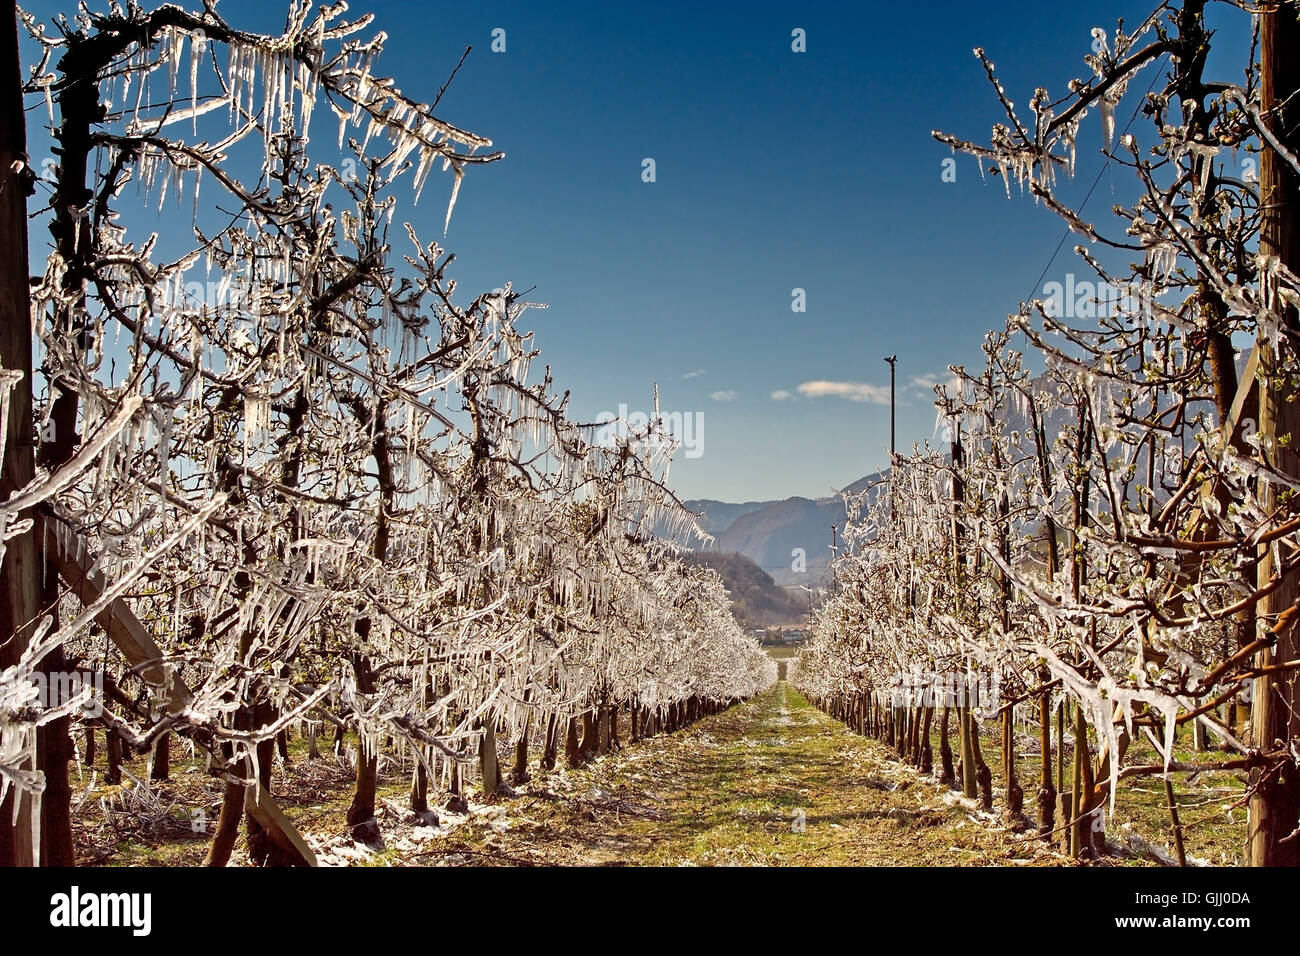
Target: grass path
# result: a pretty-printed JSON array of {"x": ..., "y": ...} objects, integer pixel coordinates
[
  {"x": 733, "y": 789},
  {"x": 770, "y": 782}
]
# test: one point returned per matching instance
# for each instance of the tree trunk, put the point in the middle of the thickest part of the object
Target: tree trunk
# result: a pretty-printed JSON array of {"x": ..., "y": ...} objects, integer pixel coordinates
[
  {"x": 234, "y": 797},
  {"x": 361, "y": 811},
  {"x": 53, "y": 754},
  {"x": 590, "y": 745},
  {"x": 223, "y": 841},
  {"x": 162, "y": 758},
  {"x": 602, "y": 729},
  {"x": 1013, "y": 793},
  {"x": 519, "y": 772},
  {"x": 456, "y": 801},
  {"x": 1078, "y": 829},
  {"x": 1093, "y": 837},
  {"x": 78, "y": 109},
  {"x": 1067, "y": 827},
  {"x": 946, "y": 777},
  {"x": 1061, "y": 788},
  {"x": 969, "y": 776},
  {"x": 420, "y": 792},
  {"x": 1274, "y": 807},
  {"x": 927, "y": 752},
  {"x": 113, "y": 744},
  {"x": 1046, "y": 789},
  {"x": 551, "y": 744},
  {"x": 983, "y": 775},
  {"x": 262, "y": 849},
  {"x": 1175, "y": 822},
  {"x": 420, "y": 787},
  {"x": 572, "y": 751},
  {"x": 487, "y": 758}
]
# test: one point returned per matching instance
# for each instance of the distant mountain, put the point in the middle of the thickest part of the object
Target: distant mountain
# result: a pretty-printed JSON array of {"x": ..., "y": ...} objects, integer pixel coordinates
[
  {"x": 715, "y": 516},
  {"x": 756, "y": 600},
  {"x": 785, "y": 536},
  {"x": 790, "y": 539}
]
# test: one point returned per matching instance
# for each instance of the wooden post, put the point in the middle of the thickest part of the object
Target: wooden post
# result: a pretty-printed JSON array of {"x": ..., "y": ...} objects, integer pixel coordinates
[
  {"x": 21, "y": 567},
  {"x": 1274, "y": 808}
]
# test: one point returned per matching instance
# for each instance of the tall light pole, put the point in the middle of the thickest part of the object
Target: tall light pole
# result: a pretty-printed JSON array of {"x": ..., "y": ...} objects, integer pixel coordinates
[
  {"x": 893, "y": 363},
  {"x": 834, "y": 554}
]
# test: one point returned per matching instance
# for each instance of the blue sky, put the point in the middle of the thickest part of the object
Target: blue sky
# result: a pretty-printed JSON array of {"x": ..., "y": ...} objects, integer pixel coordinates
[{"x": 775, "y": 170}]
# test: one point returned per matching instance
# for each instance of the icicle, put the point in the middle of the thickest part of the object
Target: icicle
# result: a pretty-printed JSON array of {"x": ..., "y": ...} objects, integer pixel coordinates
[
  {"x": 197, "y": 44},
  {"x": 451, "y": 204},
  {"x": 127, "y": 74},
  {"x": 176, "y": 44},
  {"x": 1107, "y": 121},
  {"x": 234, "y": 67},
  {"x": 307, "y": 81}
]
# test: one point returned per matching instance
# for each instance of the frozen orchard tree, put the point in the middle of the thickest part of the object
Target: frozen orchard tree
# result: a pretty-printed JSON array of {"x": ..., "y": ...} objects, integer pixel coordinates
[
  {"x": 1117, "y": 534},
  {"x": 287, "y": 470}
]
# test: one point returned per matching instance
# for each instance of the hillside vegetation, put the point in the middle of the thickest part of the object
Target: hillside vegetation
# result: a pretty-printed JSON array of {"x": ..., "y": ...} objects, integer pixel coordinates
[{"x": 756, "y": 599}]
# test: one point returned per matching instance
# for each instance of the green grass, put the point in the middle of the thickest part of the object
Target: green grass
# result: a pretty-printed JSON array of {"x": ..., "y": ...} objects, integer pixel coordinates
[
  {"x": 1210, "y": 832},
  {"x": 726, "y": 790},
  {"x": 729, "y": 790}
]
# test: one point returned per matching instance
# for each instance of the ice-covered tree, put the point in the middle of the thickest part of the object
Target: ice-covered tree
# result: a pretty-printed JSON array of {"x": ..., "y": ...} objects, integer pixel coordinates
[{"x": 1124, "y": 521}]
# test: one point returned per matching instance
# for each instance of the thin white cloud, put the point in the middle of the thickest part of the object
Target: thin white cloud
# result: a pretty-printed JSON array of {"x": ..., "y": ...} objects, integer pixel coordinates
[
  {"x": 726, "y": 395},
  {"x": 695, "y": 374},
  {"x": 853, "y": 391},
  {"x": 780, "y": 395},
  {"x": 927, "y": 382}
]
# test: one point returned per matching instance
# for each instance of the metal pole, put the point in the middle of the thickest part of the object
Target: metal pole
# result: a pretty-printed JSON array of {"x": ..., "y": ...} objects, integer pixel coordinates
[
  {"x": 893, "y": 363},
  {"x": 834, "y": 553}
]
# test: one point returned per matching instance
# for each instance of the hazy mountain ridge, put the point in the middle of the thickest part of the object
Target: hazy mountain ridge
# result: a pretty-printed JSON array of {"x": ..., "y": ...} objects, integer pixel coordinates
[
  {"x": 715, "y": 516},
  {"x": 779, "y": 536}
]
